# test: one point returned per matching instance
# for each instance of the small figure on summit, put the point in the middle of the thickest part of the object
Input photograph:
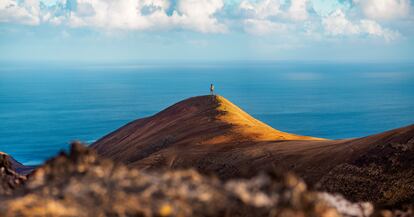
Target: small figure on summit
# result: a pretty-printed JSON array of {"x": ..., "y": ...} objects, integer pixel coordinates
[{"x": 212, "y": 89}]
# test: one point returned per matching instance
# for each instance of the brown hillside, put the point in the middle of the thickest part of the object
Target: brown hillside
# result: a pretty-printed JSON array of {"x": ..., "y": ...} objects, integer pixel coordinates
[
  {"x": 210, "y": 122},
  {"x": 215, "y": 136}
]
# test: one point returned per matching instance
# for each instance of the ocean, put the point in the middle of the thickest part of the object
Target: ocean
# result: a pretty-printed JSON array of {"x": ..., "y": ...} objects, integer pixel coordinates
[{"x": 43, "y": 107}]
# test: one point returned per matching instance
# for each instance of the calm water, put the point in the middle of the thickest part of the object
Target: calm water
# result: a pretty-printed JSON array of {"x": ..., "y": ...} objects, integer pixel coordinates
[{"x": 42, "y": 108}]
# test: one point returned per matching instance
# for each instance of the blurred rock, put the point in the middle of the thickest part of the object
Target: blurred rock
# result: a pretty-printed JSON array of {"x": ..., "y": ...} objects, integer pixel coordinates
[
  {"x": 81, "y": 184},
  {"x": 404, "y": 211},
  {"x": 345, "y": 207},
  {"x": 9, "y": 179}
]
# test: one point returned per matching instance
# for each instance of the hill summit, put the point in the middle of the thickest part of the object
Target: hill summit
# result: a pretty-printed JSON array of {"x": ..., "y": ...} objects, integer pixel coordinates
[{"x": 210, "y": 122}]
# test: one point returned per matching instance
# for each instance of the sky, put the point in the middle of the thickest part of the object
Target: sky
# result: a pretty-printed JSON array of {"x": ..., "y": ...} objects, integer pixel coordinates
[{"x": 214, "y": 30}]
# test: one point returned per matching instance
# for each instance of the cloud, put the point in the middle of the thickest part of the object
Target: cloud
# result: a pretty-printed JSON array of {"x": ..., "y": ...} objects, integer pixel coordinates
[
  {"x": 85, "y": 10},
  {"x": 268, "y": 9},
  {"x": 326, "y": 7},
  {"x": 338, "y": 24},
  {"x": 121, "y": 14},
  {"x": 258, "y": 17},
  {"x": 25, "y": 12},
  {"x": 272, "y": 16},
  {"x": 373, "y": 28},
  {"x": 298, "y": 10},
  {"x": 261, "y": 9},
  {"x": 197, "y": 15},
  {"x": 264, "y": 27},
  {"x": 385, "y": 9}
]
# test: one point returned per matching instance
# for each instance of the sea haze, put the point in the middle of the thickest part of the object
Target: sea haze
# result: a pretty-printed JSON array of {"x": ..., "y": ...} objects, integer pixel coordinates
[{"x": 43, "y": 108}]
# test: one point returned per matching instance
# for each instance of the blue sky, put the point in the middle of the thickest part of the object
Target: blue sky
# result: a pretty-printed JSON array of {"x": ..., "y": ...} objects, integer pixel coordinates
[{"x": 217, "y": 30}]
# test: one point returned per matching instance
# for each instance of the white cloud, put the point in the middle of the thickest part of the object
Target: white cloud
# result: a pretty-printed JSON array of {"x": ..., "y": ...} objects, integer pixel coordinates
[
  {"x": 338, "y": 24},
  {"x": 298, "y": 10},
  {"x": 197, "y": 15},
  {"x": 373, "y": 28},
  {"x": 85, "y": 9},
  {"x": 325, "y": 7},
  {"x": 272, "y": 16},
  {"x": 257, "y": 17},
  {"x": 25, "y": 12},
  {"x": 261, "y": 9},
  {"x": 268, "y": 9},
  {"x": 385, "y": 9},
  {"x": 122, "y": 14},
  {"x": 263, "y": 27}
]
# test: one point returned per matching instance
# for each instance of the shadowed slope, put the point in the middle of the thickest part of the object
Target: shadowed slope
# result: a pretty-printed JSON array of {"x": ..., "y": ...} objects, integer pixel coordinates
[{"x": 383, "y": 173}]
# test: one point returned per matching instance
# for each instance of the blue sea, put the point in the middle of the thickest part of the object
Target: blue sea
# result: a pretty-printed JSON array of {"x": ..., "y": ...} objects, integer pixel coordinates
[{"x": 43, "y": 107}]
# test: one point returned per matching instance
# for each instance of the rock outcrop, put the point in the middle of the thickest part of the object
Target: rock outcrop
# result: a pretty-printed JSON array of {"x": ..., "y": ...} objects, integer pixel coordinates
[{"x": 9, "y": 179}]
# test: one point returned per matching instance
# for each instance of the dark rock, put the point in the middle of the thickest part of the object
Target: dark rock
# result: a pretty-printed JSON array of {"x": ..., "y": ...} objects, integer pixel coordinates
[{"x": 9, "y": 179}]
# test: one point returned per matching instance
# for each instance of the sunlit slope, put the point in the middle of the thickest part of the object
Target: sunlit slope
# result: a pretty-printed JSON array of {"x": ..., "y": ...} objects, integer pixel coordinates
[{"x": 246, "y": 125}]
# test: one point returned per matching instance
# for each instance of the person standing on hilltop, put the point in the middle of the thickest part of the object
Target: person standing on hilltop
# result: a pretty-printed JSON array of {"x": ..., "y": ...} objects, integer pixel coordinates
[{"x": 212, "y": 89}]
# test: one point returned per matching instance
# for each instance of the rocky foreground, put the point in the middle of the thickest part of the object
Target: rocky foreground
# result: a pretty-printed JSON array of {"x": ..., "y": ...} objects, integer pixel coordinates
[{"x": 81, "y": 184}]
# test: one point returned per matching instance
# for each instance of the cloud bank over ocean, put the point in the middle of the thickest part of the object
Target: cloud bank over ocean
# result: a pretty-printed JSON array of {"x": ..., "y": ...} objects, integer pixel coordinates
[
  {"x": 276, "y": 24},
  {"x": 334, "y": 17}
]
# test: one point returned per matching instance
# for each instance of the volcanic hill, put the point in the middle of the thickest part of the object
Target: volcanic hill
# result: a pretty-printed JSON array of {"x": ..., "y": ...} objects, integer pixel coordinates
[
  {"x": 213, "y": 135},
  {"x": 198, "y": 126}
]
